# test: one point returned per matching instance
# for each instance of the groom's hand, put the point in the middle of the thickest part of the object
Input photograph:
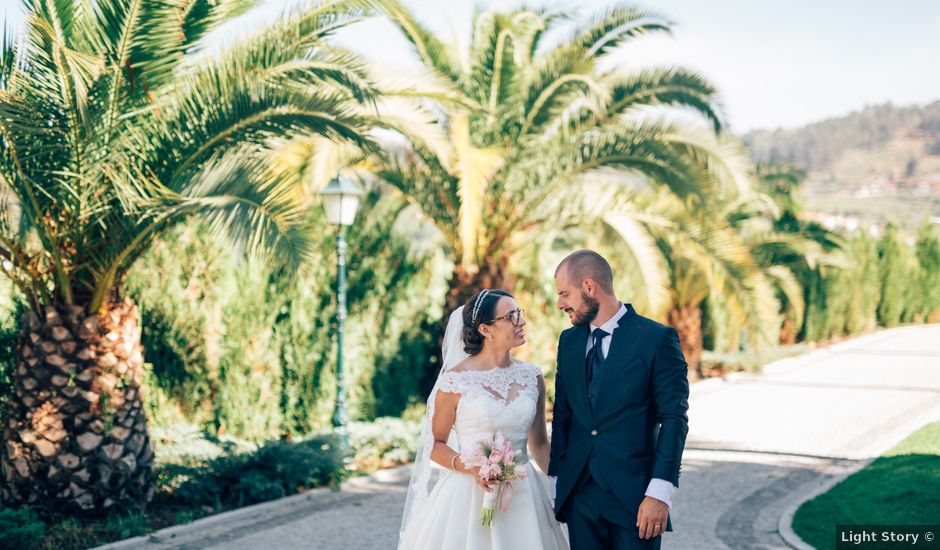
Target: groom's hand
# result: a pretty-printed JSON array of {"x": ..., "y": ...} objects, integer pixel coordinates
[{"x": 651, "y": 518}]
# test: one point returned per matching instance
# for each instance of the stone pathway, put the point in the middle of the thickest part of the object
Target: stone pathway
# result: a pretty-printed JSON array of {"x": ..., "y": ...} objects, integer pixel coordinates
[{"x": 757, "y": 445}]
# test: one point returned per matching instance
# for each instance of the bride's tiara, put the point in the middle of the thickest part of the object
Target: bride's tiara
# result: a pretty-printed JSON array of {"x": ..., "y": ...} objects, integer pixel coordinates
[{"x": 476, "y": 307}]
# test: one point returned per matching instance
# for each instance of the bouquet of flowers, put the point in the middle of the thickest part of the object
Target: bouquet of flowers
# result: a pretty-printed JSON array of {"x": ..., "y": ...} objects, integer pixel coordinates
[{"x": 497, "y": 462}]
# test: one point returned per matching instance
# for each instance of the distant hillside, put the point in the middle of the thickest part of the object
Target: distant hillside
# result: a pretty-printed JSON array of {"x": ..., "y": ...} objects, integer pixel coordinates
[{"x": 870, "y": 166}]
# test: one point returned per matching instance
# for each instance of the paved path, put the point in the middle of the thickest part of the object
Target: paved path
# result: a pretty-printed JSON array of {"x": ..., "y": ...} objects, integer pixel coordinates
[{"x": 757, "y": 444}]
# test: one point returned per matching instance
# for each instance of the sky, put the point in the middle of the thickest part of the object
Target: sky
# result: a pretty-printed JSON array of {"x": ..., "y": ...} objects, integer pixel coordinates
[{"x": 776, "y": 63}]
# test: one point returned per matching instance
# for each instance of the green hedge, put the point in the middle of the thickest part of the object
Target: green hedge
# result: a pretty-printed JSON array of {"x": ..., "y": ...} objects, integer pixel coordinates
[{"x": 242, "y": 350}]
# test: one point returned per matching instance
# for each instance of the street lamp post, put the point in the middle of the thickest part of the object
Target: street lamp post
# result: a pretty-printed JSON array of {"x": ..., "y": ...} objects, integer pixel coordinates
[{"x": 340, "y": 202}]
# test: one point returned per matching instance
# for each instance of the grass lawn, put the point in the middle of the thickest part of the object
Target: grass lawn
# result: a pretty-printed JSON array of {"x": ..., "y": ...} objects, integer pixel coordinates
[
  {"x": 900, "y": 487},
  {"x": 26, "y": 530}
]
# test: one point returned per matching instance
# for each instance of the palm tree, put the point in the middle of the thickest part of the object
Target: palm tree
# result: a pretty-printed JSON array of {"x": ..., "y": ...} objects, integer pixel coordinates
[
  {"x": 519, "y": 126},
  {"x": 790, "y": 248},
  {"x": 705, "y": 257},
  {"x": 114, "y": 126}
]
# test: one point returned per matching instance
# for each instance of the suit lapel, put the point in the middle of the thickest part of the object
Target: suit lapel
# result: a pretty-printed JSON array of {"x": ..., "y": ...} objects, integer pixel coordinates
[
  {"x": 623, "y": 346},
  {"x": 574, "y": 357}
]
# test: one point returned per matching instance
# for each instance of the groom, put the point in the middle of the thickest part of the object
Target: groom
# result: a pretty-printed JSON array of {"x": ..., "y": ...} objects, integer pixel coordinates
[{"x": 620, "y": 422}]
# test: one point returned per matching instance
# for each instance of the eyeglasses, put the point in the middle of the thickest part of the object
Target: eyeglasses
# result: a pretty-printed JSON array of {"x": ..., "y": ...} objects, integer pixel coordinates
[{"x": 515, "y": 317}]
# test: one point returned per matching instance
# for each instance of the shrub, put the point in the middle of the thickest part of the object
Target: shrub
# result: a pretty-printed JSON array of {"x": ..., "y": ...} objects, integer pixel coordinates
[
  {"x": 928, "y": 256},
  {"x": 386, "y": 442},
  {"x": 123, "y": 526},
  {"x": 892, "y": 268},
  {"x": 20, "y": 528},
  {"x": 9, "y": 332},
  {"x": 188, "y": 445},
  {"x": 274, "y": 470}
]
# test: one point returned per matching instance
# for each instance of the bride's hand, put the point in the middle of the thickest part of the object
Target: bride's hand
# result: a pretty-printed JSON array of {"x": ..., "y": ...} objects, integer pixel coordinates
[
  {"x": 475, "y": 473},
  {"x": 487, "y": 486}
]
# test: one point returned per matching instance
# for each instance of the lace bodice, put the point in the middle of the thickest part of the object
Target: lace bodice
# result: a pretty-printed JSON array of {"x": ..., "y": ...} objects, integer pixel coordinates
[{"x": 500, "y": 399}]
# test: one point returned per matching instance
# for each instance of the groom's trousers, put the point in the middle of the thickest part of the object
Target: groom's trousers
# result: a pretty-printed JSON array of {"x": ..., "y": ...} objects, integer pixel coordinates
[{"x": 599, "y": 521}]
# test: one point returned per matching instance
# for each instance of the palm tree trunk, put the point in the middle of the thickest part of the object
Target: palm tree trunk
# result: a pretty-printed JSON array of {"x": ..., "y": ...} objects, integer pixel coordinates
[
  {"x": 687, "y": 320},
  {"x": 76, "y": 437},
  {"x": 788, "y": 332},
  {"x": 464, "y": 282}
]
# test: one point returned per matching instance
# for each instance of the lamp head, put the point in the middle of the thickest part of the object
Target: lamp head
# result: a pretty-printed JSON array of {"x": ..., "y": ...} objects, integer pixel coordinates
[{"x": 341, "y": 200}]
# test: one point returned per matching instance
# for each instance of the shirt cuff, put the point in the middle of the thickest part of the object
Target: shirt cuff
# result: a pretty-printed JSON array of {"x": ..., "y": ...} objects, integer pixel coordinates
[
  {"x": 554, "y": 480},
  {"x": 660, "y": 489}
]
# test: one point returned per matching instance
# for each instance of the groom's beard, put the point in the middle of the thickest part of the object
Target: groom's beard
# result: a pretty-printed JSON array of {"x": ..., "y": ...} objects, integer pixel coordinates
[{"x": 587, "y": 312}]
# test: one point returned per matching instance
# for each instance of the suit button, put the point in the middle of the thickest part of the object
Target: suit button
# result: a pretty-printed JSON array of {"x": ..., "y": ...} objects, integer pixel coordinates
[{"x": 593, "y": 432}]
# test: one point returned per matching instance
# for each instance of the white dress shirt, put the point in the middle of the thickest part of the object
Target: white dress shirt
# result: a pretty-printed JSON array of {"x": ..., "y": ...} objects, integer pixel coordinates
[{"x": 660, "y": 489}]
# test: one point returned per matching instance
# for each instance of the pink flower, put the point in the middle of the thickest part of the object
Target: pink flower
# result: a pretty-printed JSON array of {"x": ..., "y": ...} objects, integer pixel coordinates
[
  {"x": 472, "y": 460},
  {"x": 489, "y": 471},
  {"x": 509, "y": 458}
]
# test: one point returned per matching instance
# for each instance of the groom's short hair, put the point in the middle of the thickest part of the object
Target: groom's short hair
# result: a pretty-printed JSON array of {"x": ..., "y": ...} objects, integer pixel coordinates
[{"x": 587, "y": 264}]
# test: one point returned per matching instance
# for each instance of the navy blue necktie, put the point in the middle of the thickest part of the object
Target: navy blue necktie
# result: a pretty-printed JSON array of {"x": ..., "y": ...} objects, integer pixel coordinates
[{"x": 596, "y": 355}]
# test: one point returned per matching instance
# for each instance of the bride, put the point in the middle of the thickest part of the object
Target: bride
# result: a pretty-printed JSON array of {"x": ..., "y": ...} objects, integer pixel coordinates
[{"x": 482, "y": 390}]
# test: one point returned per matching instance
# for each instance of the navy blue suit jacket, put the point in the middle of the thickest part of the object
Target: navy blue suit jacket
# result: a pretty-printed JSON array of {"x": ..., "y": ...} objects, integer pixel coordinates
[{"x": 636, "y": 431}]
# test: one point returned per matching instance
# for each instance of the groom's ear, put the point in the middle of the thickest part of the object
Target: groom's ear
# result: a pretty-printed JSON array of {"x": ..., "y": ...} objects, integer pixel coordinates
[{"x": 588, "y": 286}]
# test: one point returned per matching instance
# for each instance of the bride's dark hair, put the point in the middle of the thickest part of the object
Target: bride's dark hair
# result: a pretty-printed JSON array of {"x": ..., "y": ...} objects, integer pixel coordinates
[{"x": 479, "y": 310}]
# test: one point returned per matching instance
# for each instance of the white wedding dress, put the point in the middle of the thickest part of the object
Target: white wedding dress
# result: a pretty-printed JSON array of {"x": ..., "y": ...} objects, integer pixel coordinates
[{"x": 497, "y": 400}]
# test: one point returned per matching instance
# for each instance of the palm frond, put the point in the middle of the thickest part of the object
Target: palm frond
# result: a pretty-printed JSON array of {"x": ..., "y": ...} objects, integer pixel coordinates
[
  {"x": 232, "y": 111},
  {"x": 528, "y": 28},
  {"x": 431, "y": 190},
  {"x": 57, "y": 67},
  {"x": 672, "y": 86},
  {"x": 549, "y": 82},
  {"x": 722, "y": 161},
  {"x": 28, "y": 157},
  {"x": 160, "y": 34},
  {"x": 434, "y": 53},
  {"x": 315, "y": 160},
  {"x": 290, "y": 52},
  {"x": 419, "y": 85},
  {"x": 735, "y": 279},
  {"x": 503, "y": 74},
  {"x": 418, "y": 125},
  {"x": 692, "y": 164},
  {"x": 243, "y": 199},
  {"x": 614, "y": 26},
  {"x": 648, "y": 265},
  {"x": 8, "y": 56},
  {"x": 490, "y": 28},
  {"x": 197, "y": 18},
  {"x": 791, "y": 288}
]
